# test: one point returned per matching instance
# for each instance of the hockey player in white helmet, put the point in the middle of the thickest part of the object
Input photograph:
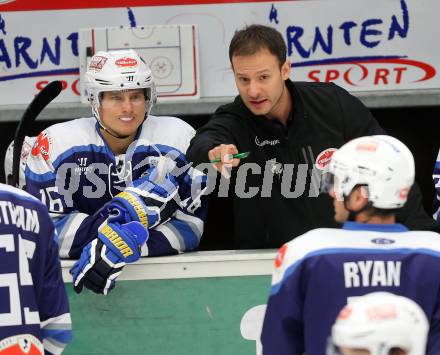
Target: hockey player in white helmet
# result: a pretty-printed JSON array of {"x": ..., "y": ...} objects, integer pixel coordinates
[
  {"x": 380, "y": 323},
  {"x": 119, "y": 72},
  {"x": 317, "y": 273},
  {"x": 118, "y": 184},
  {"x": 380, "y": 170}
]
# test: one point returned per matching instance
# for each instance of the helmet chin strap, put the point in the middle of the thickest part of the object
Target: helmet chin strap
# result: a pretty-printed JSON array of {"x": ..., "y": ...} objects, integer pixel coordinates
[{"x": 112, "y": 133}]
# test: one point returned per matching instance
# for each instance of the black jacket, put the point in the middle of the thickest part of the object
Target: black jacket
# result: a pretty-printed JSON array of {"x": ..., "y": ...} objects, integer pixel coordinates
[{"x": 324, "y": 116}]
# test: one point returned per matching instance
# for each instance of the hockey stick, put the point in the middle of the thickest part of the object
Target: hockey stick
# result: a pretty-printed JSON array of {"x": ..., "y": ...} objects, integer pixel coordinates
[{"x": 44, "y": 97}]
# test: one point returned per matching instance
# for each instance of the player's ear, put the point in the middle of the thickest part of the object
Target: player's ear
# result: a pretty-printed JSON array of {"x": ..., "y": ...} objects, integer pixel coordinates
[{"x": 358, "y": 198}]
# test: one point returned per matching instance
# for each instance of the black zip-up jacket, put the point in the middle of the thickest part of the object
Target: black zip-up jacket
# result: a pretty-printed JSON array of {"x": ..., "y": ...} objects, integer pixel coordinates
[{"x": 324, "y": 116}]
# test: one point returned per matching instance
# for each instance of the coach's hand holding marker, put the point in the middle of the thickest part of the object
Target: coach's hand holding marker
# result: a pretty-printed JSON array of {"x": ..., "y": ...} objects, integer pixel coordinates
[
  {"x": 224, "y": 157},
  {"x": 231, "y": 156}
]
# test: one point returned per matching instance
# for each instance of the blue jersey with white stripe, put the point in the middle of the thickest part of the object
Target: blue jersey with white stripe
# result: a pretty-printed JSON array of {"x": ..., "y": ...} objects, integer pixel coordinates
[
  {"x": 34, "y": 311},
  {"x": 319, "y": 272},
  {"x": 436, "y": 178},
  {"x": 74, "y": 172}
]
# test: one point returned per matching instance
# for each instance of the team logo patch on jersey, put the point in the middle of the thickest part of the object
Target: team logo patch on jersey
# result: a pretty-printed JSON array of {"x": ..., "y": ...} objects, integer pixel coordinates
[
  {"x": 97, "y": 63},
  {"x": 24, "y": 344},
  {"x": 126, "y": 62},
  {"x": 42, "y": 145},
  {"x": 324, "y": 158}
]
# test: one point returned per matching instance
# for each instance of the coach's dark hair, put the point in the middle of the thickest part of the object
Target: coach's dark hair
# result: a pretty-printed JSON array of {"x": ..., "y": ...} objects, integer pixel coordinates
[{"x": 253, "y": 38}]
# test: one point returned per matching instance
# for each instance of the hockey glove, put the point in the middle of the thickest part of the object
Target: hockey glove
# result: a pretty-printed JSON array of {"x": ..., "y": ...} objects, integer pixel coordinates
[
  {"x": 147, "y": 201},
  {"x": 103, "y": 259}
]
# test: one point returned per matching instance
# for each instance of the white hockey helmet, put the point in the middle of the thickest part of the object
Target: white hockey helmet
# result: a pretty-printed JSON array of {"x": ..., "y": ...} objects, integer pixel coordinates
[
  {"x": 383, "y": 163},
  {"x": 379, "y": 322},
  {"x": 26, "y": 148},
  {"x": 118, "y": 70}
]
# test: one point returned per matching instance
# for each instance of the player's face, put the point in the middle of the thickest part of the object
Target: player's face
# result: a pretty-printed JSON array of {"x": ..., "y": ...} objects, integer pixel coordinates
[
  {"x": 260, "y": 82},
  {"x": 122, "y": 112}
]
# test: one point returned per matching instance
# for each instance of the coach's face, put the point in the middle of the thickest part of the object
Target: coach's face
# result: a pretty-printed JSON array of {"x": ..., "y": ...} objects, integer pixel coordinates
[
  {"x": 122, "y": 112},
  {"x": 260, "y": 82}
]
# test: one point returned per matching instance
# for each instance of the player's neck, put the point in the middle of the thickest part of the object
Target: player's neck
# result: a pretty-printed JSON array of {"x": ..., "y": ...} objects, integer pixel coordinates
[
  {"x": 117, "y": 145},
  {"x": 374, "y": 219}
]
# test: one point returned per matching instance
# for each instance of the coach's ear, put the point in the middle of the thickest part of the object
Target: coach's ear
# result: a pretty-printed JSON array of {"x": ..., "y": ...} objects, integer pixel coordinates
[{"x": 285, "y": 70}]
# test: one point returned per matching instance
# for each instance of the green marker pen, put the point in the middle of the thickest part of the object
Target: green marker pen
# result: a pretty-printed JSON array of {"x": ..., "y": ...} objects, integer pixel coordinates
[{"x": 238, "y": 156}]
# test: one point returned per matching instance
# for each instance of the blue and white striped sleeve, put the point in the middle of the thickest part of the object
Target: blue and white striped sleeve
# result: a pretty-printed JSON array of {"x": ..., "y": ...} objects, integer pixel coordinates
[{"x": 182, "y": 232}]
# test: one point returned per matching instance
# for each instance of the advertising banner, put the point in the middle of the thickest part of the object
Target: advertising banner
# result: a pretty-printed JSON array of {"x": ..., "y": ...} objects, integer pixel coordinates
[{"x": 372, "y": 45}]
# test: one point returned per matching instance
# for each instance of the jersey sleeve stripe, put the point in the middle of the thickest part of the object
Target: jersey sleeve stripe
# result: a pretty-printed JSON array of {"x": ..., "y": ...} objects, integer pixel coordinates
[
  {"x": 174, "y": 240},
  {"x": 66, "y": 228}
]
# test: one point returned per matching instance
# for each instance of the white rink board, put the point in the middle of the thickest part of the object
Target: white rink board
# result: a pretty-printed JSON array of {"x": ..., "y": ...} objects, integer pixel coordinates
[
  {"x": 375, "y": 45},
  {"x": 170, "y": 51}
]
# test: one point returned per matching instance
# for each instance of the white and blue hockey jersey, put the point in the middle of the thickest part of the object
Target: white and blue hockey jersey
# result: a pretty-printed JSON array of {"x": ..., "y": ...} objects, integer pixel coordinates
[
  {"x": 436, "y": 178},
  {"x": 74, "y": 172},
  {"x": 34, "y": 310},
  {"x": 319, "y": 272}
]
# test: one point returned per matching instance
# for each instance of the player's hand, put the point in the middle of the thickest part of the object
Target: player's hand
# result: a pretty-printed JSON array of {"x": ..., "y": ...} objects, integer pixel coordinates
[
  {"x": 224, "y": 152},
  {"x": 149, "y": 201},
  {"x": 103, "y": 259}
]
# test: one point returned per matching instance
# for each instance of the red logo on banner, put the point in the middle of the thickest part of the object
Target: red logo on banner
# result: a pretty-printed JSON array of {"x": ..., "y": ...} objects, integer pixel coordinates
[
  {"x": 42, "y": 146},
  {"x": 126, "y": 62},
  {"x": 324, "y": 158},
  {"x": 377, "y": 72},
  {"x": 280, "y": 257}
]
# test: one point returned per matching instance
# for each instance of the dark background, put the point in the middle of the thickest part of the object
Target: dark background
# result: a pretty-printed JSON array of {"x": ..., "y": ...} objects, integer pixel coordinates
[{"x": 418, "y": 128}]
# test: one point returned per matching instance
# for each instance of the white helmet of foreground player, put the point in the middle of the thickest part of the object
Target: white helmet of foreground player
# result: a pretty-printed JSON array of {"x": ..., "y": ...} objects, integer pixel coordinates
[
  {"x": 115, "y": 71},
  {"x": 380, "y": 323},
  {"x": 382, "y": 163}
]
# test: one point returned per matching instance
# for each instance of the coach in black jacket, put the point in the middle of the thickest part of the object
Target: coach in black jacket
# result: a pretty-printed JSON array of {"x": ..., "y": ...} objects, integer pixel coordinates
[{"x": 291, "y": 130}]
